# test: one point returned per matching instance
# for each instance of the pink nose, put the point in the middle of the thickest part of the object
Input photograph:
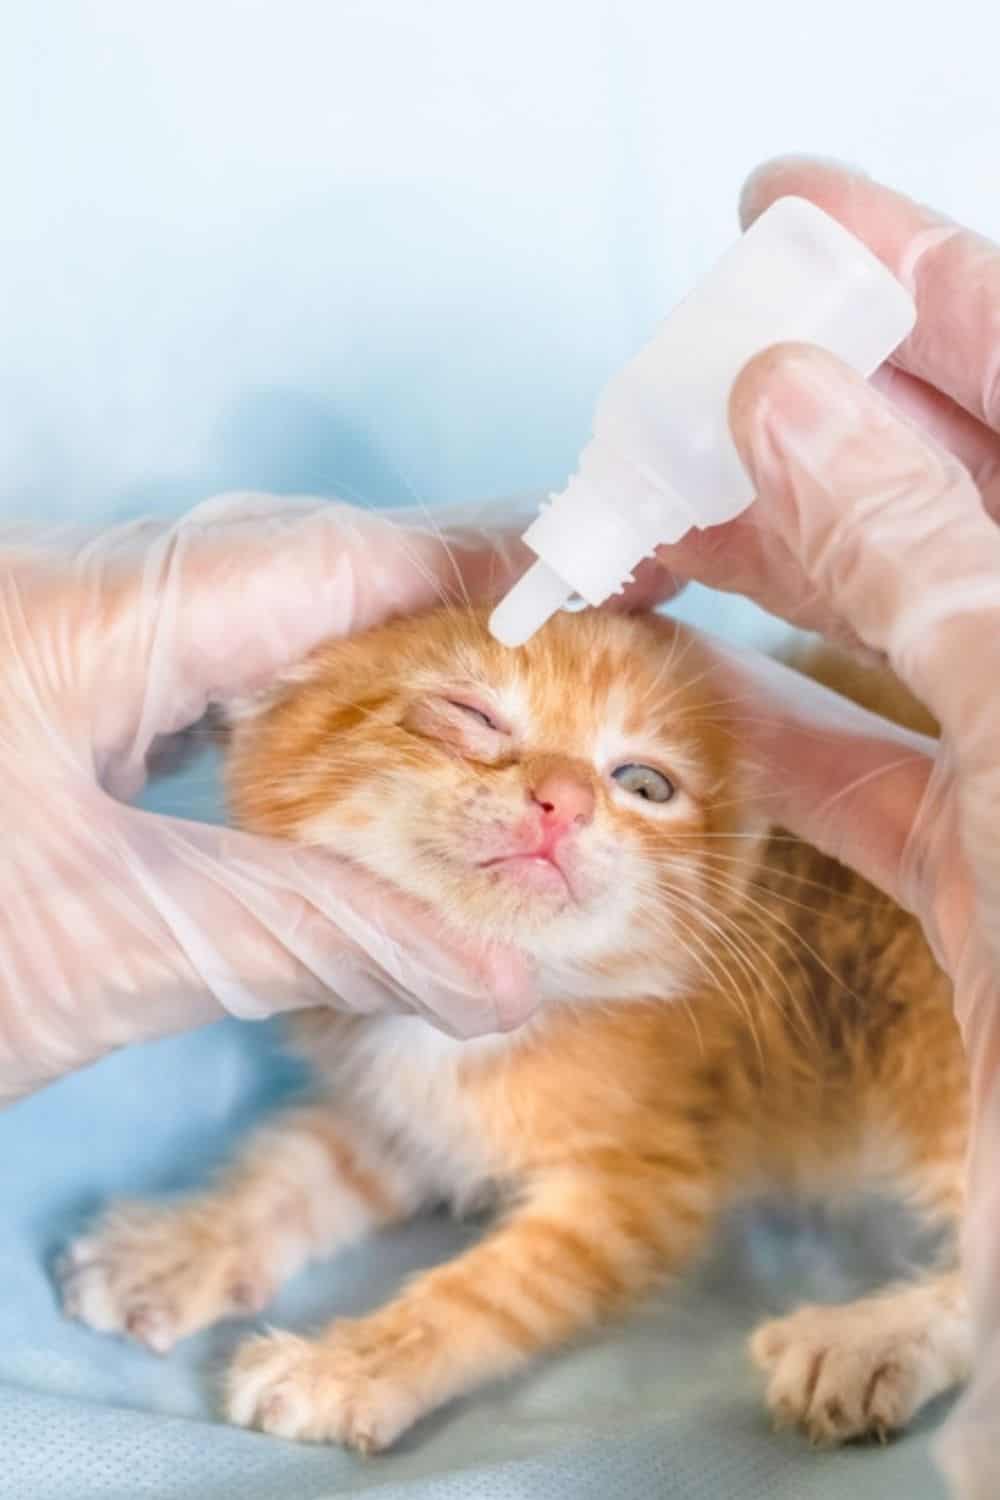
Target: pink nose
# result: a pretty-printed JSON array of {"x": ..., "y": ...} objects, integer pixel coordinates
[{"x": 564, "y": 799}]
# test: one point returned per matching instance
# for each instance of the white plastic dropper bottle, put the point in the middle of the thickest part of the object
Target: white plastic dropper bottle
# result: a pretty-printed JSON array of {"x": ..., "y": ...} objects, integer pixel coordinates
[{"x": 662, "y": 459}]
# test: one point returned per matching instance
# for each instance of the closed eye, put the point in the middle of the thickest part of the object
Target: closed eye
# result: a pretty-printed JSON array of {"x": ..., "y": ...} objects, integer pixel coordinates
[
  {"x": 476, "y": 713},
  {"x": 459, "y": 725}
]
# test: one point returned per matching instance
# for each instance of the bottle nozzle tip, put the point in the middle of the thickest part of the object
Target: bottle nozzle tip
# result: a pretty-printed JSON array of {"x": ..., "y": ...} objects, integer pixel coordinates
[{"x": 533, "y": 600}]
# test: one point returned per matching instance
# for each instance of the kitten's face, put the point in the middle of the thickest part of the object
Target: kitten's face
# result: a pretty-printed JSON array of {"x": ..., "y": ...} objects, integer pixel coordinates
[{"x": 579, "y": 797}]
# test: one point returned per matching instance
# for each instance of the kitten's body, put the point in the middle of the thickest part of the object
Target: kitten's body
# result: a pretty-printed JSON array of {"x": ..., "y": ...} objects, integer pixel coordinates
[{"x": 754, "y": 1014}]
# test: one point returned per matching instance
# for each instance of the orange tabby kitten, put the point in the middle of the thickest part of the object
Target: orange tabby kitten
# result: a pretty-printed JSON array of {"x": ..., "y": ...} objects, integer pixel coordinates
[{"x": 723, "y": 1008}]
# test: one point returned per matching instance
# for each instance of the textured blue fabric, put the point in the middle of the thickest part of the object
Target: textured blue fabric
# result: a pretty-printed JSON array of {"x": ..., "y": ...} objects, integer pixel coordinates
[{"x": 666, "y": 1406}]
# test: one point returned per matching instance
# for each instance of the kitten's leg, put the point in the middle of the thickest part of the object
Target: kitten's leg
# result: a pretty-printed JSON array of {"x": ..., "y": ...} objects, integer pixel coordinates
[
  {"x": 307, "y": 1185},
  {"x": 866, "y": 1368},
  {"x": 581, "y": 1246}
]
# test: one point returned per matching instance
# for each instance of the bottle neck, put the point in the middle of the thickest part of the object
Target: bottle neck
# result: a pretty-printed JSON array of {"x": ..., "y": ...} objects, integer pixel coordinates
[{"x": 603, "y": 524}]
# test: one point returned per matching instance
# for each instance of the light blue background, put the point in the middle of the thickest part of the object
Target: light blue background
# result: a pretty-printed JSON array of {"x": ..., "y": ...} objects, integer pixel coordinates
[{"x": 391, "y": 249}]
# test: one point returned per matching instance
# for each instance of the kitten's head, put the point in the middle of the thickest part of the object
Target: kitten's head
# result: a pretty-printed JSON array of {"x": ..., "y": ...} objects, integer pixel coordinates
[{"x": 581, "y": 797}]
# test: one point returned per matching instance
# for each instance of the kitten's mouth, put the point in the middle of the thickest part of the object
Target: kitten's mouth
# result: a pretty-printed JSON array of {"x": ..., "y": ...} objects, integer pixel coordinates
[{"x": 538, "y": 872}]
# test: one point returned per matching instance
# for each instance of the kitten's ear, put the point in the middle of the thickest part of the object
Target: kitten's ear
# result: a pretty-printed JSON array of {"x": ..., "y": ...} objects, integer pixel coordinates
[
  {"x": 237, "y": 711},
  {"x": 234, "y": 712}
]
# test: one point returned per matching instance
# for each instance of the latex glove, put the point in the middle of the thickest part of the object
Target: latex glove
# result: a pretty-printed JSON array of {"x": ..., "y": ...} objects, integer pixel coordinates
[
  {"x": 881, "y": 529},
  {"x": 117, "y": 925}
]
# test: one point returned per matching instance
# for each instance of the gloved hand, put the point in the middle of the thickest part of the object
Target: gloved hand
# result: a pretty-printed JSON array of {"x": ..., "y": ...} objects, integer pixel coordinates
[
  {"x": 117, "y": 925},
  {"x": 876, "y": 523}
]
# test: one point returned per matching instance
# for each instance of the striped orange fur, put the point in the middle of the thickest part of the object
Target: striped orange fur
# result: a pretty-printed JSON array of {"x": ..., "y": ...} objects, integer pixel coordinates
[{"x": 723, "y": 1007}]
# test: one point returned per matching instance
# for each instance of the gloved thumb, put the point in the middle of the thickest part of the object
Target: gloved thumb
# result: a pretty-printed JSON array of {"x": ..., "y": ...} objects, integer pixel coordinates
[
  {"x": 219, "y": 603},
  {"x": 888, "y": 529},
  {"x": 153, "y": 925},
  {"x": 891, "y": 537}
]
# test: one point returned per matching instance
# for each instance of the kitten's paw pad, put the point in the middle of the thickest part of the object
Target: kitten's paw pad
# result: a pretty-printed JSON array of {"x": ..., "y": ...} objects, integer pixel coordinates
[
  {"x": 157, "y": 1275},
  {"x": 349, "y": 1388},
  {"x": 840, "y": 1373}
]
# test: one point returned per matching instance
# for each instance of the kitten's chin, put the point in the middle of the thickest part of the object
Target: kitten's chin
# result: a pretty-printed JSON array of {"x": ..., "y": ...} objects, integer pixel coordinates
[
  {"x": 533, "y": 874},
  {"x": 524, "y": 902}
]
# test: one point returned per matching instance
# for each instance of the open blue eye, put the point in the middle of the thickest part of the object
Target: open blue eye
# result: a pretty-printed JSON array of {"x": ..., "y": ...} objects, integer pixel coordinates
[{"x": 644, "y": 782}]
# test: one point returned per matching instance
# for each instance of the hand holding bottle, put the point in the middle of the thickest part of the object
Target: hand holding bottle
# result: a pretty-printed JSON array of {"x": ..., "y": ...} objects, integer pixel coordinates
[{"x": 876, "y": 523}]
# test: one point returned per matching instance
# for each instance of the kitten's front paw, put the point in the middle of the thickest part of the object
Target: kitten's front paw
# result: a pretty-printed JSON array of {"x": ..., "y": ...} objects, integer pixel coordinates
[
  {"x": 159, "y": 1274},
  {"x": 359, "y": 1385},
  {"x": 845, "y": 1372}
]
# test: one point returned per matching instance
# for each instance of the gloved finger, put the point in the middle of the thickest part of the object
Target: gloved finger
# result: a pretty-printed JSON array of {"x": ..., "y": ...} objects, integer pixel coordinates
[
  {"x": 134, "y": 927},
  {"x": 266, "y": 926},
  {"x": 744, "y": 556},
  {"x": 250, "y": 585},
  {"x": 891, "y": 532},
  {"x": 748, "y": 556},
  {"x": 846, "y": 780},
  {"x": 888, "y": 529},
  {"x": 242, "y": 586},
  {"x": 953, "y": 274},
  {"x": 974, "y": 445}
]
